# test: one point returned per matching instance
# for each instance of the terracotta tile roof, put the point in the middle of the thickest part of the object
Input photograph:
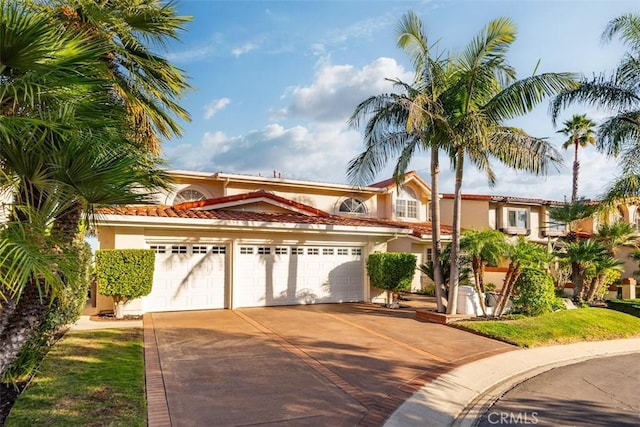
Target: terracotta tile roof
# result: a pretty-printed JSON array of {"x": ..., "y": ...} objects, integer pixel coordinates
[
  {"x": 418, "y": 229},
  {"x": 260, "y": 194},
  {"x": 504, "y": 199},
  {"x": 468, "y": 196}
]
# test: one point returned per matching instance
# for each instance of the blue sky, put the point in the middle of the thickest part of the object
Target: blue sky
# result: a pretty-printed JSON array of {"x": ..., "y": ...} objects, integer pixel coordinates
[{"x": 275, "y": 81}]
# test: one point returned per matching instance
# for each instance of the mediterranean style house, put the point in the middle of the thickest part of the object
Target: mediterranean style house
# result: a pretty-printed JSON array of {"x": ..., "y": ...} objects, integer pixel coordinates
[{"x": 229, "y": 240}]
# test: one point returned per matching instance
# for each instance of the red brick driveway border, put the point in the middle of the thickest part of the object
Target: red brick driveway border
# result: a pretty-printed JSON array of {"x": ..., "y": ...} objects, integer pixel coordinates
[{"x": 157, "y": 407}]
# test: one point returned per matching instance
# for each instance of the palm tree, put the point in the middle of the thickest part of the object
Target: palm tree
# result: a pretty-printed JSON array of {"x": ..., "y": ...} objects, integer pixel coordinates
[
  {"x": 571, "y": 214},
  {"x": 619, "y": 134},
  {"x": 484, "y": 95},
  {"x": 484, "y": 247},
  {"x": 521, "y": 254},
  {"x": 399, "y": 124},
  {"x": 64, "y": 141},
  {"x": 458, "y": 106},
  {"x": 581, "y": 255},
  {"x": 616, "y": 234},
  {"x": 600, "y": 269},
  {"x": 580, "y": 131},
  {"x": 147, "y": 83}
]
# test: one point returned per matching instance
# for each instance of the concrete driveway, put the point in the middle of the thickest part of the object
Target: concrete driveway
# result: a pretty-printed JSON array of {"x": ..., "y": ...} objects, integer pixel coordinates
[{"x": 332, "y": 364}]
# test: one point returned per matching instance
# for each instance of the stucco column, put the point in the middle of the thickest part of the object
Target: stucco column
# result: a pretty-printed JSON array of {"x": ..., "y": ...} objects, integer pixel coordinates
[{"x": 629, "y": 288}]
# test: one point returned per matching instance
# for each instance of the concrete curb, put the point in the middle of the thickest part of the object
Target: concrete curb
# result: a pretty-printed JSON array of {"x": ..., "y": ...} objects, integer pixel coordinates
[{"x": 457, "y": 398}]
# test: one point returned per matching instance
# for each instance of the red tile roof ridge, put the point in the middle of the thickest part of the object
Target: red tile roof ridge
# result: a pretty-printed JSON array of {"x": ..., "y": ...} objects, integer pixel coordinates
[{"x": 248, "y": 196}]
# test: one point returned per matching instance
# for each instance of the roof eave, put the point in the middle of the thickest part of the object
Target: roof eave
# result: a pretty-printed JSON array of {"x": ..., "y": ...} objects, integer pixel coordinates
[{"x": 166, "y": 222}]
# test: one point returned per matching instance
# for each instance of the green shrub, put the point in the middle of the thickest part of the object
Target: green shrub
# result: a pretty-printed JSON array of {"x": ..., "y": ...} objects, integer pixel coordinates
[
  {"x": 536, "y": 293},
  {"x": 391, "y": 271},
  {"x": 629, "y": 306},
  {"x": 125, "y": 274}
]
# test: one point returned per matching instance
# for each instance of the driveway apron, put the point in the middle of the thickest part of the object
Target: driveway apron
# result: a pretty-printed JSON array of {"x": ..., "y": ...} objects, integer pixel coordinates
[{"x": 332, "y": 364}]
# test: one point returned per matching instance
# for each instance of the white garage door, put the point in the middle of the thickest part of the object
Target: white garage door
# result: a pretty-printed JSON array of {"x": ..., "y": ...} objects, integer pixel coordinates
[
  {"x": 285, "y": 275},
  {"x": 187, "y": 277}
]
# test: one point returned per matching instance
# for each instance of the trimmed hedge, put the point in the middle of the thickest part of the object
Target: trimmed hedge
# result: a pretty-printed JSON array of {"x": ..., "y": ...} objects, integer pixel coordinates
[
  {"x": 391, "y": 271},
  {"x": 535, "y": 293},
  {"x": 629, "y": 306},
  {"x": 125, "y": 274}
]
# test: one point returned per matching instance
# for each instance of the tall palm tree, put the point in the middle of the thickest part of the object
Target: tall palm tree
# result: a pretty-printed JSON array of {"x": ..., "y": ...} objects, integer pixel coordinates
[
  {"x": 399, "y": 124},
  {"x": 580, "y": 131},
  {"x": 459, "y": 105},
  {"x": 485, "y": 94},
  {"x": 484, "y": 247},
  {"x": 618, "y": 135}
]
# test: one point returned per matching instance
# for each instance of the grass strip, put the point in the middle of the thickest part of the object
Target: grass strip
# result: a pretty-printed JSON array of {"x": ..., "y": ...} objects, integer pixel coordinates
[
  {"x": 89, "y": 378},
  {"x": 561, "y": 327}
]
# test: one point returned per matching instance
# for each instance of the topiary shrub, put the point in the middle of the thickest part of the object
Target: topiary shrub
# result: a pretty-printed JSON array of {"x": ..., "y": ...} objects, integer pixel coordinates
[
  {"x": 391, "y": 271},
  {"x": 124, "y": 274},
  {"x": 535, "y": 293}
]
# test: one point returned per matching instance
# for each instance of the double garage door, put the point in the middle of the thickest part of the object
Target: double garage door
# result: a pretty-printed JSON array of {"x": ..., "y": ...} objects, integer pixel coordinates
[{"x": 194, "y": 277}]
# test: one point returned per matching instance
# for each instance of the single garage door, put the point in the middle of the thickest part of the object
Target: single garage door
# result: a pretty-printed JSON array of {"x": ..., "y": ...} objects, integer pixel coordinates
[
  {"x": 286, "y": 275},
  {"x": 187, "y": 277}
]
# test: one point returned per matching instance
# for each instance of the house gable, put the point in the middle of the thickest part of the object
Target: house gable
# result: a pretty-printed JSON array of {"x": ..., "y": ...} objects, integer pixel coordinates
[{"x": 257, "y": 201}]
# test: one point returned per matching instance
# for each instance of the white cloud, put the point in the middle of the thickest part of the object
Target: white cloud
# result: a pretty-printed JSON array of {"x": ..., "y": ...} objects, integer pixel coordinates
[
  {"x": 338, "y": 89},
  {"x": 245, "y": 48},
  {"x": 318, "y": 153},
  {"x": 215, "y": 106}
]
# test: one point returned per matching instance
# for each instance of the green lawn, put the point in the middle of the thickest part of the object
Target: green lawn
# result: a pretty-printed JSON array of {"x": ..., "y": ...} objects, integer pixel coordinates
[
  {"x": 562, "y": 327},
  {"x": 89, "y": 378}
]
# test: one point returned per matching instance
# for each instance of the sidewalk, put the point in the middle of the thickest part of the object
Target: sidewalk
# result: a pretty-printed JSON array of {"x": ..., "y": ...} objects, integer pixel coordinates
[
  {"x": 85, "y": 323},
  {"x": 457, "y": 398}
]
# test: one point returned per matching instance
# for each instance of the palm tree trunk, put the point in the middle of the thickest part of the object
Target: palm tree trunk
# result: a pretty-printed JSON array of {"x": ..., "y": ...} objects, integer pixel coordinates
[
  {"x": 508, "y": 290},
  {"x": 577, "y": 277},
  {"x": 21, "y": 325},
  {"x": 576, "y": 170},
  {"x": 452, "y": 306},
  {"x": 441, "y": 301},
  {"x": 65, "y": 226},
  {"x": 476, "y": 264}
]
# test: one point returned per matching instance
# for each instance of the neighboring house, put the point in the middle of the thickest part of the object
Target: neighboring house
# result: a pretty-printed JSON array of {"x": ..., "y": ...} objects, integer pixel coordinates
[
  {"x": 229, "y": 240},
  {"x": 514, "y": 216},
  {"x": 528, "y": 217}
]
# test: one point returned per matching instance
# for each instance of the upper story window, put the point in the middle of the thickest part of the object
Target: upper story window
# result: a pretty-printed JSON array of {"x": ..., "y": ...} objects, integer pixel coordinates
[
  {"x": 352, "y": 206},
  {"x": 517, "y": 218},
  {"x": 636, "y": 219},
  {"x": 188, "y": 195},
  {"x": 407, "y": 204}
]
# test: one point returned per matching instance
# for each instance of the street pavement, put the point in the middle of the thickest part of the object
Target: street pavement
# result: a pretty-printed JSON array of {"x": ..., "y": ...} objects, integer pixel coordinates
[{"x": 597, "y": 392}]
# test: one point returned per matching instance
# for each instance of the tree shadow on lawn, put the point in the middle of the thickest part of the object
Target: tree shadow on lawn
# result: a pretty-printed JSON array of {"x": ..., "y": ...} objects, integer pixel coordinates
[{"x": 89, "y": 378}]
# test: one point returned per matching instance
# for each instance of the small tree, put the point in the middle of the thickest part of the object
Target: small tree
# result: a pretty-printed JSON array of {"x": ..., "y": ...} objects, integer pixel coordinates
[
  {"x": 391, "y": 271},
  {"x": 124, "y": 274}
]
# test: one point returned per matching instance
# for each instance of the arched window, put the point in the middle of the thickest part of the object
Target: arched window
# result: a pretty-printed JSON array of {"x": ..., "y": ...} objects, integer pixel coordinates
[
  {"x": 352, "y": 206},
  {"x": 407, "y": 204},
  {"x": 188, "y": 195},
  {"x": 636, "y": 219}
]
